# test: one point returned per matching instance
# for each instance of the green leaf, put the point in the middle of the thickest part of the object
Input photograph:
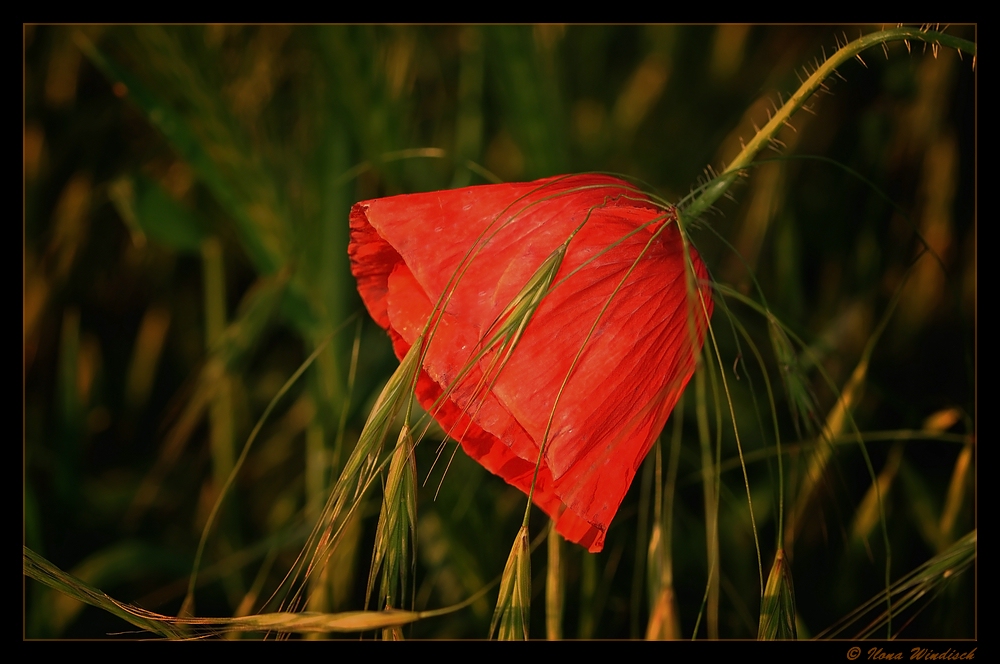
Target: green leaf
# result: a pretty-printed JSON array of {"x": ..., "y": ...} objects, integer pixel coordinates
[
  {"x": 259, "y": 238},
  {"x": 153, "y": 213}
]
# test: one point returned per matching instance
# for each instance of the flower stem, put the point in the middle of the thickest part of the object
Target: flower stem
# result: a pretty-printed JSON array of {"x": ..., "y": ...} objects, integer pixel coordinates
[{"x": 714, "y": 190}]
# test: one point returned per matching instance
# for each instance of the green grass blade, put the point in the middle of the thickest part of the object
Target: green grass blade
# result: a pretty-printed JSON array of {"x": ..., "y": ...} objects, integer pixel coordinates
[
  {"x": 777, "y": 606},
  {"x": 512, "y": 615},
  {"x": 259, "y": 230}
]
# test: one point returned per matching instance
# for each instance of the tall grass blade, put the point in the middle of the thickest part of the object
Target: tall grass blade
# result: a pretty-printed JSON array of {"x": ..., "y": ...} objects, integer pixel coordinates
[
  {"x": 777, "y": 606},
  {"x": 511, "y": 617},
  {"x": 555, "y": 585},
  {"x": 921, "y": 585},
  {"x": 866, "y": 517},
  {"x": 40, "y": 569},
  {"x": 259, "y": 229},
  {"x": 360, "y": 471},
  {"x": 172, "y": 627},
  {"x": 396, "y": 531}
]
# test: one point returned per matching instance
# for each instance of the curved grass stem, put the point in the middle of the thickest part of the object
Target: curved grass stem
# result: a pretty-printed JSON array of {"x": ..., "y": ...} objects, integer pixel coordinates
[{"x": 718, "y": 187}]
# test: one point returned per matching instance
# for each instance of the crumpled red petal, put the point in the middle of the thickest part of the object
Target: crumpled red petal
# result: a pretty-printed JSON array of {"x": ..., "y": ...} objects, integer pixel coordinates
[{"x": 623, "y": 269}]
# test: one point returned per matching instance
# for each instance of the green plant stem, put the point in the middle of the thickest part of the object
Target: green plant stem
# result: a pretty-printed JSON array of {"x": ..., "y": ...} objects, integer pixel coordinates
[
  {"x": 242, "y": 458},
  {"x": 715, "y": 190}
]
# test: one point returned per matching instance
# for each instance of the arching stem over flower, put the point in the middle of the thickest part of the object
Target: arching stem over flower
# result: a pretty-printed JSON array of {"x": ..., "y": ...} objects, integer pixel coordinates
[{"x": 714, "y": 190}]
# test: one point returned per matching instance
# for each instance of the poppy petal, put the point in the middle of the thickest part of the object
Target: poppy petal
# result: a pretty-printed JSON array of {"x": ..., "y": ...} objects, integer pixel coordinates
[{"x": 600, "y": 364}]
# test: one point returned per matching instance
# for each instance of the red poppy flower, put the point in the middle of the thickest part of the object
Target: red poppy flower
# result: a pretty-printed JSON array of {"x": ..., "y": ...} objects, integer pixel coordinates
[{"x": 602, "y": 359}]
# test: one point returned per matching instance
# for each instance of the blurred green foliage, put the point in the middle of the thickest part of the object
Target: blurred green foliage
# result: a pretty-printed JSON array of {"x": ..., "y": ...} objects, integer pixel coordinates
[{"x": 185, "y": 230}]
